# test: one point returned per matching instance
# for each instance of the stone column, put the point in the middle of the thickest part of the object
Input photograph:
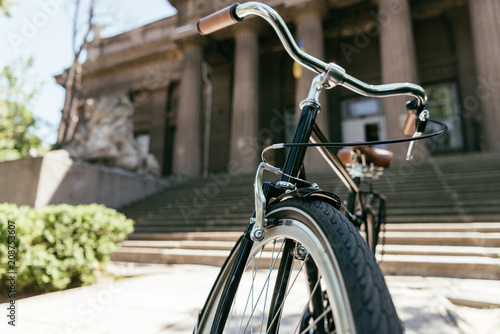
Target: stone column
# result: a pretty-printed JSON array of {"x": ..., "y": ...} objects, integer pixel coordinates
[
  {"x": 398, "y": 61},
  {"x": 485, "y": 24},
  {"x": 157, "y": 130},
  {"x": 464, "y": 51},
  {"x": 244, "y": 123},
  {"x": 188, "y": 136},
  {"x": 308, "y": 21}
]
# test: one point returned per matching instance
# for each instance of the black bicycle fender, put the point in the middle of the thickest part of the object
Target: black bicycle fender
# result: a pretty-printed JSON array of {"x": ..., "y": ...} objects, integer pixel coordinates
[{"x": 311, "y": 193}]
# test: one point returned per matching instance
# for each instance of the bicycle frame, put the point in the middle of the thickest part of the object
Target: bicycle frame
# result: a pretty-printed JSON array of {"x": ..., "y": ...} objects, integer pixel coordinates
[
  {"x": 329, "y": 76},
  {"x": 224, "y": 288}
]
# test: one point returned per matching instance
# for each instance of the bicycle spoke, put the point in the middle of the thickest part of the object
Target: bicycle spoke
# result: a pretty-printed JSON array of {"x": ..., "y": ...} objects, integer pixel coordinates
[
  {"x": 288, "y": 292},
  {"x": 255, "y": 299},
  {"x": 254, "y": 274},
  {"x": 322, "y": 315},
  {"x": 268, "y": 280},
  {"x": 266, "y": 284},
  {"x": 307, "y": 304},
  {"x": 250, "y": 294}
]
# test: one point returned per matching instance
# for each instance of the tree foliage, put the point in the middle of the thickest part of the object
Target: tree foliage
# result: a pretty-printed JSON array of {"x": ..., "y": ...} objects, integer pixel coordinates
[
  {"x": 4, "y": 7},
  {"x": 17, "y": 124}
]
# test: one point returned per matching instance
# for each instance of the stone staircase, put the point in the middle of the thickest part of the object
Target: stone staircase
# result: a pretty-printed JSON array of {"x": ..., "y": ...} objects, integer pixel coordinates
[
  {"x": 465, "y": 250},
  {"x": 443, "y": 218}
]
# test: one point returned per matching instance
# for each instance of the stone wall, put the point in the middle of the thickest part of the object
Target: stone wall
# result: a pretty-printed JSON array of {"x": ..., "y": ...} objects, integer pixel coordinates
[{"x": 56, "y": 178}]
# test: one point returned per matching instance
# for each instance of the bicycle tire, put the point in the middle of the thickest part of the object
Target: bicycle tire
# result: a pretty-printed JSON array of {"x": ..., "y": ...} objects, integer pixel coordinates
[{"x": 356, "y": 296}]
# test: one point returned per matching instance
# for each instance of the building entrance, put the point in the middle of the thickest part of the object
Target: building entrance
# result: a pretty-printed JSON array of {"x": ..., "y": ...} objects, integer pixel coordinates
[{"x": 362, "y": 120}]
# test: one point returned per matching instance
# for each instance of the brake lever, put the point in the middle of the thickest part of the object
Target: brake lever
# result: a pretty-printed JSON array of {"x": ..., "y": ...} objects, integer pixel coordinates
[{"x": 421, "y": 122}]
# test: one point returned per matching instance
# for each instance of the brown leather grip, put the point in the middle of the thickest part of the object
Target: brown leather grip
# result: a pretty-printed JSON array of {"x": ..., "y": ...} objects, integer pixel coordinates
[
  {"x": 218, "y": 20},
  {"x": 409, "y": 127}
]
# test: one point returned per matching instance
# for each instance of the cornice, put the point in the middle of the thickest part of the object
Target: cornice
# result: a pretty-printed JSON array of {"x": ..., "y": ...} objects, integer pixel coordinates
[{"x": 164, "y": 49}]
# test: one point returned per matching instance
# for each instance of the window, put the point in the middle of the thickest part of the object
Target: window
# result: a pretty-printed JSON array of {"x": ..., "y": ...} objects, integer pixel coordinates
[
  {"x": 360, "y": 107},
  {"x": 443, "y": 107},
  {"x": 362, "y": 120}
]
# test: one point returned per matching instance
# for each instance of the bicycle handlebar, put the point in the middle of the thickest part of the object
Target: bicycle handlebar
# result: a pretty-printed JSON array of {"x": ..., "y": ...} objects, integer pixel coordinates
[
  {"x": 219, "y": 20},
  {"x": 336, "y": 75}
]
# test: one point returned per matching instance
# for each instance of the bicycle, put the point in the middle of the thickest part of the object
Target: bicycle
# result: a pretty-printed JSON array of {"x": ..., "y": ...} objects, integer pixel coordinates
[
  {"x": 298, "y": 228},
  {"x": 366, "y": 209}
]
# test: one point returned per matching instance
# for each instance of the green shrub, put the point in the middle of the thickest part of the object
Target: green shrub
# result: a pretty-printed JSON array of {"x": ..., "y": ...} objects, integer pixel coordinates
[{"x": 60, "y": 246}]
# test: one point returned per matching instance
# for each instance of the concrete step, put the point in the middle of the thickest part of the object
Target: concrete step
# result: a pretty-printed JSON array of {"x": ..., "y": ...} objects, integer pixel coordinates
[
  {"x": 408, "y": 207},
  {"x": 407, "y": 265},
  {"x": 478, "y": 231},
  {"x": 448, "y": 250},
  {"x": 442, "y": 238},
  {"x": 431, "y": 207},
  {"x": 401, "y": 207},
  {"x": 186, "y": 229},
  {"x": 222, "y": 224},
  {"x": 179, "y": 244},
  {"x": 193, "y": 236},
  {"x": 388, "y": 249},
  {"x": 170, "y": 256},
  {"x": 442, "y": 266},
  {"x": 451, "y": 218},
  {"x": 162, "y": 226},
  {"x": 470, "y": 227},
  {"x": 438, "y": 189},
  {"x": 412, "y": 205},
  {"x": 416, "y": 211},
  {"x": 427, "y": 202},
  {"x": 242, "y": 220}
]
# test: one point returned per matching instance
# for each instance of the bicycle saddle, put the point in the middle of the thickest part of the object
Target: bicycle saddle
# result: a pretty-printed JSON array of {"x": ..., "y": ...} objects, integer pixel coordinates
[{"x": 379, "y": 157}]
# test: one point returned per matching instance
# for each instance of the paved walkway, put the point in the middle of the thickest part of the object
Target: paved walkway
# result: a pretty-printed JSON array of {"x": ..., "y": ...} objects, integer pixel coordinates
[{"x": 166, "y": 299}]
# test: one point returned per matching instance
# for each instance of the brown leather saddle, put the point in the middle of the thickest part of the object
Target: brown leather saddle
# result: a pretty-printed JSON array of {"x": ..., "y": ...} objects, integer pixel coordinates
[{"x": 379, "y": 157}]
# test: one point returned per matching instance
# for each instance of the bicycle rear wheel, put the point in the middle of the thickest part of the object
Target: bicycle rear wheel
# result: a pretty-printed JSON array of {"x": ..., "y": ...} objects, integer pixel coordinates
[
  {"x": 312, "y": 273},
  {"x": 369, "y": 231}
]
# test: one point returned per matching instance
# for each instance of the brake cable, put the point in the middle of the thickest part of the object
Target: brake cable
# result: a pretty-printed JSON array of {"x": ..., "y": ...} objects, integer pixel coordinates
[{"x": 443, "y": 129}]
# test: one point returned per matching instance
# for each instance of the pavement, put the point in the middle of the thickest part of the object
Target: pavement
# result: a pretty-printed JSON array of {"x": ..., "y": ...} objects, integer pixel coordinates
[{"x": 167, "y": 298}]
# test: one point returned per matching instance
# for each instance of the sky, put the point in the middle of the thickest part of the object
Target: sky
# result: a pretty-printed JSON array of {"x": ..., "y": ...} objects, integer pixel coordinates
[{"x": 43, "y": 29}]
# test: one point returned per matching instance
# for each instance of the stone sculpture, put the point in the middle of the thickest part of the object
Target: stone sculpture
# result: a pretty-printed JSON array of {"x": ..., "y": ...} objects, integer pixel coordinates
[{"x": 105, "y": 135}]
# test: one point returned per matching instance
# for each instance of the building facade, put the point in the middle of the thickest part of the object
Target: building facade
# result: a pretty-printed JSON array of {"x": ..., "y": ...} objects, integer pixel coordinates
[{"x": 203, "y": 103}]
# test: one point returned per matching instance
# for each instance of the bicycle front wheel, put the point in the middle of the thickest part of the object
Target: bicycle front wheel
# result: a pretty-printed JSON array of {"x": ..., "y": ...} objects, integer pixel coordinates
[{"x": 312, "y": 273}]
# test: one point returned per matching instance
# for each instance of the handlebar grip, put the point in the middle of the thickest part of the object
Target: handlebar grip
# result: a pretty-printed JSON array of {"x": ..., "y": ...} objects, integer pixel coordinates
[
  {"x": 409, "y": 126},
  {"x": 221, "y": 19}
]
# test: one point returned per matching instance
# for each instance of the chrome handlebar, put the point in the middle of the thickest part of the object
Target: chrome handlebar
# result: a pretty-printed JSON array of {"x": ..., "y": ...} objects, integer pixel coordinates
[
  {"x": 332, "y": 74},
  {"x": 273, "y": 18},
  {"x": 338, "y": 75}
]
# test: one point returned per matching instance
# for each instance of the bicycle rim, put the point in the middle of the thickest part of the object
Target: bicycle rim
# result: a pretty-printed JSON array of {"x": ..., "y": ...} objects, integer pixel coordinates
[{"x": 250, "y": 309}]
